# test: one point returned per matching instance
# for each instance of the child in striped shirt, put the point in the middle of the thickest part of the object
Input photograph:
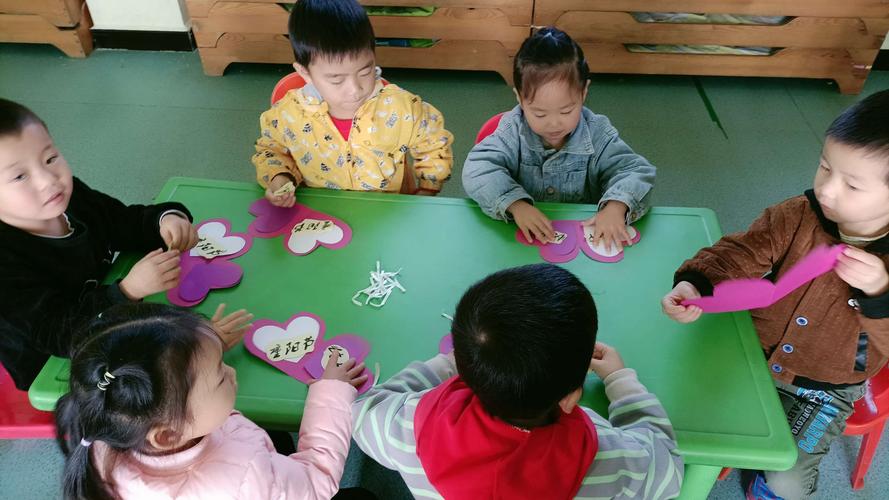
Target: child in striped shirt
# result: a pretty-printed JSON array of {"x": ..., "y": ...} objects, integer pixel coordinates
[{"x": 499, "y": 417}]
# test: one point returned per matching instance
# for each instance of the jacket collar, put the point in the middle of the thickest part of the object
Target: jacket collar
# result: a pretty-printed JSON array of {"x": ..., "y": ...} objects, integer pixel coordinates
[
  {"x": 579, "y": 142},
  {"x": 310, "y": 99},
  {"x": 880, "y": 246}
]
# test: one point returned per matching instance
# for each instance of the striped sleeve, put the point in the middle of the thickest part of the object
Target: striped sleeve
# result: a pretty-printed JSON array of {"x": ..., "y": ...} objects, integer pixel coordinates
[
  {"x": 384, "y": 420},
  {"x": 637, "y": 455}
]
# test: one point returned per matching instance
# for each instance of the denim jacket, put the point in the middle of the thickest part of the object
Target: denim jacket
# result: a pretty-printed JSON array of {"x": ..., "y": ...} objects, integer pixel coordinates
[{"x": 594, "y": 166}]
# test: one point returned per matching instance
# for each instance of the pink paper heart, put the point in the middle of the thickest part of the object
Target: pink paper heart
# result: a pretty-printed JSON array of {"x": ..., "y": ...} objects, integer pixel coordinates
[
  {"x": 275, "y": 221},
  {"x": 599, "y": 252},
  {"x": 745, "y": 294},
  {"x": 557, "y": 252},
  {"x": 446, "y": 344},
  {"x": 309, "y": 366}
]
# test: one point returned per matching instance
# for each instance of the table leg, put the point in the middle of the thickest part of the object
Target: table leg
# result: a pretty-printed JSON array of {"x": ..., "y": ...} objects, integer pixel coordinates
[{"x": 698, "y": 481}]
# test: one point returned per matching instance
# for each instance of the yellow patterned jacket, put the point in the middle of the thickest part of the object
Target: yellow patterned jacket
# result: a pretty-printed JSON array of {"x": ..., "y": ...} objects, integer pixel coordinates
[{"x": 299, "y": 138}]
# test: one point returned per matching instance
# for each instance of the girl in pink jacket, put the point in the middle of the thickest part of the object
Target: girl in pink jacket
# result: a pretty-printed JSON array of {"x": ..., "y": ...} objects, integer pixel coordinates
[{"x": 150, "y": 415}]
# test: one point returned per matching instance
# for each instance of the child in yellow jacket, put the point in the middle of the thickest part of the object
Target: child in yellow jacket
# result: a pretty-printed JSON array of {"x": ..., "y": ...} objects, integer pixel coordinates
[{"x": 345, "y": 129}]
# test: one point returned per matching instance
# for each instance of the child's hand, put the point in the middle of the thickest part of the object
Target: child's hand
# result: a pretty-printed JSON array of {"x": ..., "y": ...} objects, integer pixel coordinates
[
  {"x": 231, "y": 328},
  {"x": 178, "y": 233},
  {"x": 606, "y": 360},
  {"x": 672, "y": 303},
  {"x": 532, "y": 222},
  {"x": 610, "y": 225},
  {"x": 863, "y": 270},
  {"x": 349, "y": 372},
  {"x": 286, "y": 200},
  {"x": 156, "y": 272}
]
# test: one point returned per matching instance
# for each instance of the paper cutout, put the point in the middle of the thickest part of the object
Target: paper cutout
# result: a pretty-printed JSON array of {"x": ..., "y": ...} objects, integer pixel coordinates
[
  {"x": 291, "y": 349},
  {"x": 600, "y": 252},
  {"x": 745, "y": 294},
  {"x": 303, "y": 229},
  {"x": 209, "y": 267},
  {"x": 213, "y": 242},
  {"x": 306, "y": 363},
  {"x": 381, "y": 285},
  {"x": 446, "y": 344},
  {"x": 572, "y": 237},
  {"x": 286, "y": 188}
]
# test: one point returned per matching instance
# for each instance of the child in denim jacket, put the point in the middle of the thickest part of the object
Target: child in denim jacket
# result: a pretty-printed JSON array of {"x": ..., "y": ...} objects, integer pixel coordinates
[{"x": 552, "y": 148}]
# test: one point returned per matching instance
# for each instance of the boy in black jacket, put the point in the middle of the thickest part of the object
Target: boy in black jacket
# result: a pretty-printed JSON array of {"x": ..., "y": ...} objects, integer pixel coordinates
[{"x": 57, "y": 241}]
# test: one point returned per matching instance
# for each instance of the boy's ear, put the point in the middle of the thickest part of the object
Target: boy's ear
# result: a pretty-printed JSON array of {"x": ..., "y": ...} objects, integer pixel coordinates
[
  {"x": 568, "y": 403},
  {"x": 303, "y": 72},
  {"x": 162, "y": 437}
]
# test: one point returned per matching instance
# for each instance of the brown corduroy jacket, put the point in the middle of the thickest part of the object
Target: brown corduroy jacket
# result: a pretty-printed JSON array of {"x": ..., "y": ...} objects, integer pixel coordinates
[{"x": 822, "y": 334}]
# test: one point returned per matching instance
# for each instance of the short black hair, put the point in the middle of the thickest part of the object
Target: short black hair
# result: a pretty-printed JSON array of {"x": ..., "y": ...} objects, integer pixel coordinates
[
  {"x": 14, "y": 117},
  {"x": 864, "y": 125},
  {"x": 329, "y": 28},
  {"x": 523, "y": 339},
  {"x": 547, "y": 55}
]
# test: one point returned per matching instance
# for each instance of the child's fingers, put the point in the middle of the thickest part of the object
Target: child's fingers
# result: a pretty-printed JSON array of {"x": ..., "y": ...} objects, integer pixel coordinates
[
  {"x": 526, "y": 233},
  {"x": 355, "y": 370},
  {"x": 625, "y": 236},
  {"x": 333, "y": 360},
  {"x": 220, "y": 310},
  {"x": 358, "y": 381}
]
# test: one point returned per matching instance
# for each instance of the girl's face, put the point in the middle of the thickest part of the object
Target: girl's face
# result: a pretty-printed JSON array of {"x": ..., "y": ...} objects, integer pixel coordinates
[
  {"x": 554, "y": 111},
  {"x": 212, "y": 396}
]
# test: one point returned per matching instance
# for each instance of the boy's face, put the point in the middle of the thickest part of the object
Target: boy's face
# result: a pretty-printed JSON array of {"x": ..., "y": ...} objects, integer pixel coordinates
[
  {"x": 344, "y": 83},
  {"x": 554, "y": 111},
  {"x": 851, "y": 187},
  {"x": 35, "y": 180}
]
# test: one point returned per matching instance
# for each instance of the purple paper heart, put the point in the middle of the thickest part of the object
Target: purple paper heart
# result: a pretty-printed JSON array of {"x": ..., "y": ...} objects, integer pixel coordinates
[
  {"x": 309, "y": 366},
  {"x": 200, "y": 277},
  {"x": 271, "y": 220},
  {"x": 357, "y": 347}
]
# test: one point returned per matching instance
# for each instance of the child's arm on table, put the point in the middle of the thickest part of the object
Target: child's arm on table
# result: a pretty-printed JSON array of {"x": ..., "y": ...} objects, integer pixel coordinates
[
  {"x": 626, "y": 180},
  {"x": 315, "y": 470},
  {"x": 489, "y": 179},
  {"x": 384, "y": 416},
  {"x": 637, "y": 446},
  {"x": 275, "y": 166},
  {"x": 747, "y": 254},
  {"x": 430, "y": 148}
]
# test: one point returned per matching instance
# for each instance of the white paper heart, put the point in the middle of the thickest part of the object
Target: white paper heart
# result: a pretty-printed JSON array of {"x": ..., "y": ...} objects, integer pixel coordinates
[
  {"x": 214, "y": 243},
  {"x": 303, "y": 326},
  {"x": 601, "y": 249},
  {"x": 309, "y": 232}
]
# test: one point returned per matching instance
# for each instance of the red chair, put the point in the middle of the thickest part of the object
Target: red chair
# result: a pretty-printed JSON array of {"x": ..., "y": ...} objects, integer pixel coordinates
[
  {"x": 18, "y": 419},
  {"x": 868, "y": 420},
  {"x": 294, "y": 81},
  {"x": 488, "y": 128}
]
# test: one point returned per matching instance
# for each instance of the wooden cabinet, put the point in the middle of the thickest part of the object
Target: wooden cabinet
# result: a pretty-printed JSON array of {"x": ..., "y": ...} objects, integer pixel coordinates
[{"x": 63, "y": 23}]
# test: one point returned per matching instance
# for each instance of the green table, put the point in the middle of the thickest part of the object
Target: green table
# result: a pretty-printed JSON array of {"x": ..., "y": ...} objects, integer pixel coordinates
[{"x": 711, "y": 375}]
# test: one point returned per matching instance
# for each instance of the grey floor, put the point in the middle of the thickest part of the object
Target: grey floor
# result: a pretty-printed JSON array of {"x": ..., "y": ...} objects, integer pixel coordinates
[{"x": 127, "y": 121}]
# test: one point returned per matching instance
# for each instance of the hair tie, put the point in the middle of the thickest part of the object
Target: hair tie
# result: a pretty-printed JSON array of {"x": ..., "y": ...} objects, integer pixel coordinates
[
  {"x": 85, "y": 443},
  {"x": 106, "y": 381}
]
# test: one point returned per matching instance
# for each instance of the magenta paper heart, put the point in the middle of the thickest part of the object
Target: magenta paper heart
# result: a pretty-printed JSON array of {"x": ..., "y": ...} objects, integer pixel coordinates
[
  {"x": 303, "y": 229},
  {"x": 198, "y": 278},
  {"x": 446, "y": 344},
  {"x": 576, "y": 239},
  {"x": 266, "y": 333},
  {"x": 557, "y": 252},
  {"x": 745, "y": 294},
  {"x": 600, "y": 252},
  {"x": 357, "y": 347}
]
